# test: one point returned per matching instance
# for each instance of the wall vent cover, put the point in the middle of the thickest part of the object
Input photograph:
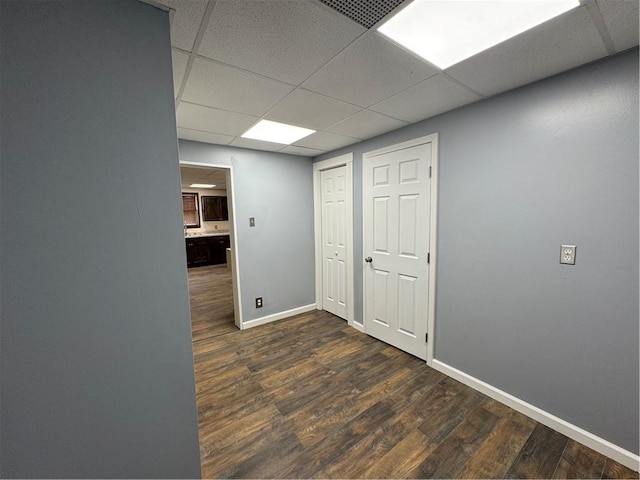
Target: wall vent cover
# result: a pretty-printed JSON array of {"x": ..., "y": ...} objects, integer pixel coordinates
[{"x": 365, "y": 12}]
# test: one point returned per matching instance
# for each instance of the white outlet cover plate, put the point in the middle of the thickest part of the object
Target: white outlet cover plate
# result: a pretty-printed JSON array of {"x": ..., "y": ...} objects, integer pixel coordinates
[{"x": 568, "y": 254}]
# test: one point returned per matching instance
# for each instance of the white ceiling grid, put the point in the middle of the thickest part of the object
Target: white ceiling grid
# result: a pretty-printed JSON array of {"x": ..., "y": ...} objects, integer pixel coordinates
[{"x": 303, "y": 63}]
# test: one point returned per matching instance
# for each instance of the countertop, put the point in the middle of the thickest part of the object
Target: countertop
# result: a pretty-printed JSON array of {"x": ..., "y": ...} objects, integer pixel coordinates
[{"x": 206, "y": 234}]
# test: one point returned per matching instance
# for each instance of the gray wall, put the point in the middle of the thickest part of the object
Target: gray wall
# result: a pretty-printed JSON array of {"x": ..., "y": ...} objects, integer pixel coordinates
[
  {"x": 277, "y": 255},
  {"x": 97, "y": 366},
  {"x": 520, "y": 174}
]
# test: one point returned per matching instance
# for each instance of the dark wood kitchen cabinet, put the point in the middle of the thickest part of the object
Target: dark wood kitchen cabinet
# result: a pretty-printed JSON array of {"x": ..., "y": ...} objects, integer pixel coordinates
[
  {"x": 215, "y": 209},
  {"x": 207, "y": 250}
]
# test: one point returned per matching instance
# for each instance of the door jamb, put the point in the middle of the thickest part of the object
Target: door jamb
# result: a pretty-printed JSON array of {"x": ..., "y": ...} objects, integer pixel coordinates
[
  {"x": 433, "y": 224},
  {"x": 235, "y": 271},
  {"x": 345, "y": 160}
]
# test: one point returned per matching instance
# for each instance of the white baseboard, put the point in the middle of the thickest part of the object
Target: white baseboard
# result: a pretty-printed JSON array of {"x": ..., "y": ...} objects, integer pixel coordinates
[
  {"x": 592, "y": 441},
  {"x": 278, "y": 316}
]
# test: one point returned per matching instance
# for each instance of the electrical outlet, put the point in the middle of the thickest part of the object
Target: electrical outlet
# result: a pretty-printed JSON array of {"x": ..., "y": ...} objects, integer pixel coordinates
[
  {"x": 258, "y": 302},
  {"x": 252, "y": 221},
  {"x": 568, "y": 254}
]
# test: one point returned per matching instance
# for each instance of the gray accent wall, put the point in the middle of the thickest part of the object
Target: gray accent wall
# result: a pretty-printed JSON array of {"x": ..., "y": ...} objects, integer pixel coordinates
[
  {"x": 96, "y": 371},
  {"x": 276, "y": 257},
  {"x": 552, "y": 163}
]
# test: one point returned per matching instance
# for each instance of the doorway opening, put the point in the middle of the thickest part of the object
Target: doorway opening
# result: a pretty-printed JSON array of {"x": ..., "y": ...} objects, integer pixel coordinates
[{"x": 210, "y": 250}]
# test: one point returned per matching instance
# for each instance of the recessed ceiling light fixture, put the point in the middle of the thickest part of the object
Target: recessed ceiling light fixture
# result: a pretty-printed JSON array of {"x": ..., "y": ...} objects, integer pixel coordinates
[
  {"x": 276, "y": 132},
  {"x": 201, "y": 185},
  {"x": 445, "y": 32}
]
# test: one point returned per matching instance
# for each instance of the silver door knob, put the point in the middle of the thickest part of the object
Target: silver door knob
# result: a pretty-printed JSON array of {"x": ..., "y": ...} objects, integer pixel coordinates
[{"x": 368, "y": 259}]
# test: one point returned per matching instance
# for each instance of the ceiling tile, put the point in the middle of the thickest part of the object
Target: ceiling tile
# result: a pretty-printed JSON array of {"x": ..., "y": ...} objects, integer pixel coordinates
[
  {"x": 366, "y": 124},
  {"x": 563, "y": 43},
  {"x": 621, "y": 19},
  {"x": 325, "y": 141},
  {"x": 197, "y": 117},
  {"x": 256, "y": 144},
  {"x": 435, "y": 95},
  {"x": 368, "y": 71},
  {"x": 216, "y": 176},
  {"x": 186, "y": 21},
  {"x": 287, "y": 39},
  {"x": 217, "y": 85},
  {"x": 305, "y": 152},
  {"x": 204, "y": 137},
  {"x": 179, "y": 60},
  {"x": 311, "y": 110}
]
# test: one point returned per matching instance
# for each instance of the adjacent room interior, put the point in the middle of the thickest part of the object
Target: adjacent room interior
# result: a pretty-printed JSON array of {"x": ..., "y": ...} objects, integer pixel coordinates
[{"x": 207, "y": 234}]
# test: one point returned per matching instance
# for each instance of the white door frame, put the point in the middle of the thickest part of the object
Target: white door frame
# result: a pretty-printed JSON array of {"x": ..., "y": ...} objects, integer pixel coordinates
[
  {"x": 235, "y": 272},
  {"x": 346, "y": 161},
  {"x": 433, "y": 223}
]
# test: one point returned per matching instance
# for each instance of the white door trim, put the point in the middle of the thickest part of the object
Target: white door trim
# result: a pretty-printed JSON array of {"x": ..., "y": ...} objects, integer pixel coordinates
[
  {"x": 235, "y": 263},
  {"x": 345, "y": 160},
  {"x": 433, "y": 220}
]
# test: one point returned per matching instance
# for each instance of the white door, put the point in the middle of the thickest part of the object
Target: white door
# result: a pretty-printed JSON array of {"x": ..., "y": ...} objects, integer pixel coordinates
[
  {"x": 334, "y": 248},
  {"x": 396, "y": 213}
]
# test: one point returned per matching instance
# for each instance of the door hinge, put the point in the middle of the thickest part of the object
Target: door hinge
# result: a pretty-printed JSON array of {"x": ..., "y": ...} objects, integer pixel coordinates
[
  {"x": 428, "y": 257},
  {"x": 426, "y": 338},
  {"x": 429, "y": 172}
]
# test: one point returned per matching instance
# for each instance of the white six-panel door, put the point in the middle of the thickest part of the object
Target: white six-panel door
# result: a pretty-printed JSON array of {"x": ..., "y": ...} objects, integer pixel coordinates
[
  {"x": 396, "y": 195},
  {"x": 334, "y": 238}
]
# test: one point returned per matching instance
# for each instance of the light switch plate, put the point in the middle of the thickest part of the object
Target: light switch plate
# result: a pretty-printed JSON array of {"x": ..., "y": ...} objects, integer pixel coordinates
[
  {"x": 568, "y": 254},
  {"x": 252, "y": 221}
]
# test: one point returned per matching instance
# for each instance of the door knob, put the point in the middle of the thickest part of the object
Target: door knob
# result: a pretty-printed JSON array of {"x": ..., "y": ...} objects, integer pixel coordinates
[{"x": 368, "y": 259}]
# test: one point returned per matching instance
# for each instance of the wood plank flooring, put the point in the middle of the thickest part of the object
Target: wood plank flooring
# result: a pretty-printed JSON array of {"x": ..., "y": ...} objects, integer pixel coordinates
[
  {"x": 310, "y": 397},
  {"x": 211, "y": 299}
]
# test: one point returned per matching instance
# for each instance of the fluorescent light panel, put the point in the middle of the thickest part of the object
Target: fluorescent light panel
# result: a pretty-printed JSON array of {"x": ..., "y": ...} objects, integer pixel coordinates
[
  {"x": 445, "y": 32},
  {"x": 202, "y": 185},
  {"x": 276, "y": 132}
]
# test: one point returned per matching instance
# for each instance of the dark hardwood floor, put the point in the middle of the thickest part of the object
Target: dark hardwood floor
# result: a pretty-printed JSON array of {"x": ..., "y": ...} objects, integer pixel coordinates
[
  {"x": 211, "y": 299},
  {"x": 310, "y": 397}
]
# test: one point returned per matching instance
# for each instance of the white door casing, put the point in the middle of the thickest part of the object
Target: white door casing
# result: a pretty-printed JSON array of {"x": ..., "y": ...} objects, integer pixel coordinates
[
  {"x": 399, "y": 241},
  {"x": 334, "y": 251},
  {"x": 345, "y": 161}
]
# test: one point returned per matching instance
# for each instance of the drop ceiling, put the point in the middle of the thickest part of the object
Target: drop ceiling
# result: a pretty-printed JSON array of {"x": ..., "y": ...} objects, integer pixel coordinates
[
  {"x": 203, "y": 175},
  {"x": 301, "y": 62}
]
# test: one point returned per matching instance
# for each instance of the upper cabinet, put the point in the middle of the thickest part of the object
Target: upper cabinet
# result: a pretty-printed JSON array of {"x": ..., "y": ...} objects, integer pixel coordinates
[{"x": 214, "y": 209}]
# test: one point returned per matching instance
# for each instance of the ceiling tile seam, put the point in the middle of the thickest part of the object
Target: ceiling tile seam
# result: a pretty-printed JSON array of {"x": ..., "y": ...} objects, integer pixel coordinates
[
  {"x": 295, "y": 144},
  {"x": 368, "y": 107},
  {"x": 355, "y": 40},
  {"x": 464, "y": 85},
  {"x": 598, "y": 20},
  {"x": 344, "y": 120},
  {"x": 183, "y": 84},
  {"x": 410, "y": 52},
  {"x": 196, "y": 44},
  {"x": 266, "y": 114},
  {"x": 240, "y": 69},
  {"x": 204, "y": 24},
  {"x": 205, "y": 131},
  {"x": 257, "y": 117}
]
